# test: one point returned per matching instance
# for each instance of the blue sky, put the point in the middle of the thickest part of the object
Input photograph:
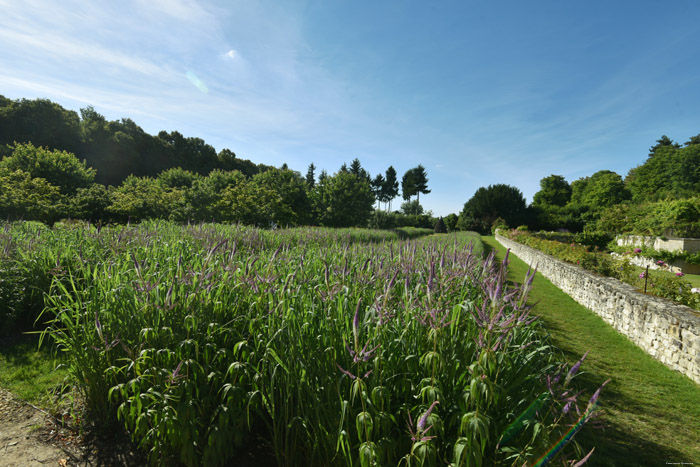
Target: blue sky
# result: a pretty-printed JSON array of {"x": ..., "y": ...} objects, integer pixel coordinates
[{"x": 479, "y": 92}]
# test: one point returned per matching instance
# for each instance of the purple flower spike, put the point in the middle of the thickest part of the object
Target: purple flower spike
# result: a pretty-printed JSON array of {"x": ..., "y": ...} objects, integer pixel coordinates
[
  {"x": 680, "y": 274},
  {"x": 574, "y": 369},
  {"x": 595, "y": 396},
  {"x": 637, "y": 250},
  {"x": 642, "y": 275},
  {"x": 424, "y": 419}
]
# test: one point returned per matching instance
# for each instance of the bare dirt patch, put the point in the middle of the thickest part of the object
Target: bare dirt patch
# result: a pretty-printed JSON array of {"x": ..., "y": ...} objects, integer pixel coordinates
[{"x": 32, "y": 437}]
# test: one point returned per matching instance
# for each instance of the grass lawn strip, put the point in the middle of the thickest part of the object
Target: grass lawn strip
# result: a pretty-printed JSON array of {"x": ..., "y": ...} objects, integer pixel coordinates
[{"x": 651, "y": 413}]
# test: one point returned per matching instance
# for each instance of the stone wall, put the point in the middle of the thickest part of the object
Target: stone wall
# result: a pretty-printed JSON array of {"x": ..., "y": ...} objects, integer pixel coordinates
[
  {"x": 668, "y": 332},
  {"x": 690, "y": 245}
]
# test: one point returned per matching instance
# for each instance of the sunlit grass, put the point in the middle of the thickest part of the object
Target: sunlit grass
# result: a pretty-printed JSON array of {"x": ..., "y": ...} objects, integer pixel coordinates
[
  {"x": 29, "y": 372},
  {"x": 651, "y": 412}
]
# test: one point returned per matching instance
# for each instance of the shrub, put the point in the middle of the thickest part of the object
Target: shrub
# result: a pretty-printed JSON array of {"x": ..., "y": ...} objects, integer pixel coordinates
[{"x": 499, "y": 223}]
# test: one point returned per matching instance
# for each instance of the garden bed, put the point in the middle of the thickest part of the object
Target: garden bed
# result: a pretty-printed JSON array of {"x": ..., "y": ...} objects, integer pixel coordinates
[
  {"x": 667, "y": 286},
  {"x": 328, "y": 345}
]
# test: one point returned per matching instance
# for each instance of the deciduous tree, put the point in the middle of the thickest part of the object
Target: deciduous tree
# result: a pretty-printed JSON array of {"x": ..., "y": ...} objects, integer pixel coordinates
[
  {"x": 59, "y": 168},
  {"x": 554, "y": 191}
]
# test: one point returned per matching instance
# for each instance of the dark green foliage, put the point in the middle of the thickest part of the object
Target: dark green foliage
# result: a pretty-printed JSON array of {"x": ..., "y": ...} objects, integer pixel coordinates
[
  {"x": 672, "y": 172},
  {"x": 451, "y": 222},
  {"x": 116, "y": 149},
  {"x": 594, "y": 238},
  {"x": 178, "y": 178},
  {"x": 189, "y": 153},
  {"x": 554, "y": 191},
  {"x": 59, "y": 168},
  {"x": 440, "y": 226},
  {"x": 604, "y": 188},
  {"x": 674, "y": 218},
  {"x": 357, "y": 169},
  {"x": 412, "y": 207},
  {"x": 378, "y": 187},
  {"x": 293, "y": 205},
  {"x": 91, "y": 203},
  {"x": 310, "y": 178},
  {"x": 490, "y": 203},
  {"x": 498, "y": 224},
  {"x": 41, "y": 122},
  {"x": 343, "y": 200},
  {"x": 228, "y": 161},
  {"x": 549, "y": 217},
  {"x": 391, "y": 186},
  {"x": 661, "y": 145},
  {"x": 467, "y": 223},
  {"x": 693, "y": 140},
  {"x": 26, "y": 198},
  {"x": 414, "y": 182}
]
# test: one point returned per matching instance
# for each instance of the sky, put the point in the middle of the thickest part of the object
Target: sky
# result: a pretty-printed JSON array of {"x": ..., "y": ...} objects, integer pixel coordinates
[{"x": 478, "y": 92}]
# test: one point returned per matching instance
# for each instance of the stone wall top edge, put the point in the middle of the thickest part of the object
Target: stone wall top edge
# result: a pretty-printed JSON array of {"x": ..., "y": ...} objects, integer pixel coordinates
[{"x": 654, "y": 237}]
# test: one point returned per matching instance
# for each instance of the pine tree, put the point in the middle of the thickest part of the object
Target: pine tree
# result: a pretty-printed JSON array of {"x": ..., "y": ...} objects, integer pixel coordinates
[
  {"x": 310, "y": 179},
  {"x": 391, "y": 186},
  {"x": 378, "y": 189}
]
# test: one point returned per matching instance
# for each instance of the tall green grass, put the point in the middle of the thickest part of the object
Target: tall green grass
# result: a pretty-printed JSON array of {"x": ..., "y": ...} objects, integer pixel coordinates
[{"x": 338, "y": 347}]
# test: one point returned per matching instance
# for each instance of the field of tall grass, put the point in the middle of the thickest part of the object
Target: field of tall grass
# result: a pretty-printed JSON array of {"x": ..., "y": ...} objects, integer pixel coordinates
[{"x": 333, "y": 347}]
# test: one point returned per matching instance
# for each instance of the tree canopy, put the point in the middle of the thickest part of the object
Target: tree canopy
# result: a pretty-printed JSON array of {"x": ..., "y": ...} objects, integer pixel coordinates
[
  {"x": 672, "y": 173},
  {"x": 488, "y": 204},
  {"x": 414, "y": 182},
  {"x": 116, "y": 149},
  {"x": 391, "y": 186},
  {"x": 604, "y": 188},
  {"x": 554, "y": 191},
  {"x": 60, "y": 168},
  {"x": 343, "y": 200}
]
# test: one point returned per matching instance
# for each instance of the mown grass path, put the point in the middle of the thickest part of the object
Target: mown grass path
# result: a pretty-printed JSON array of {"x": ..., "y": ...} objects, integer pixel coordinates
[{"x": 651, "y": 414}]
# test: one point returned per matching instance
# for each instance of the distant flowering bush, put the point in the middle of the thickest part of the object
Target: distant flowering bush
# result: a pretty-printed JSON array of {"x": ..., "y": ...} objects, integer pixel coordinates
[{"x": 660, "y": 262}]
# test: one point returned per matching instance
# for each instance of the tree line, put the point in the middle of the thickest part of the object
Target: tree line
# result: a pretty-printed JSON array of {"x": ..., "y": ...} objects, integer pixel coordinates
[
  {"x": 661, "y": 196},
  {"x": 58, "y": 164}
]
